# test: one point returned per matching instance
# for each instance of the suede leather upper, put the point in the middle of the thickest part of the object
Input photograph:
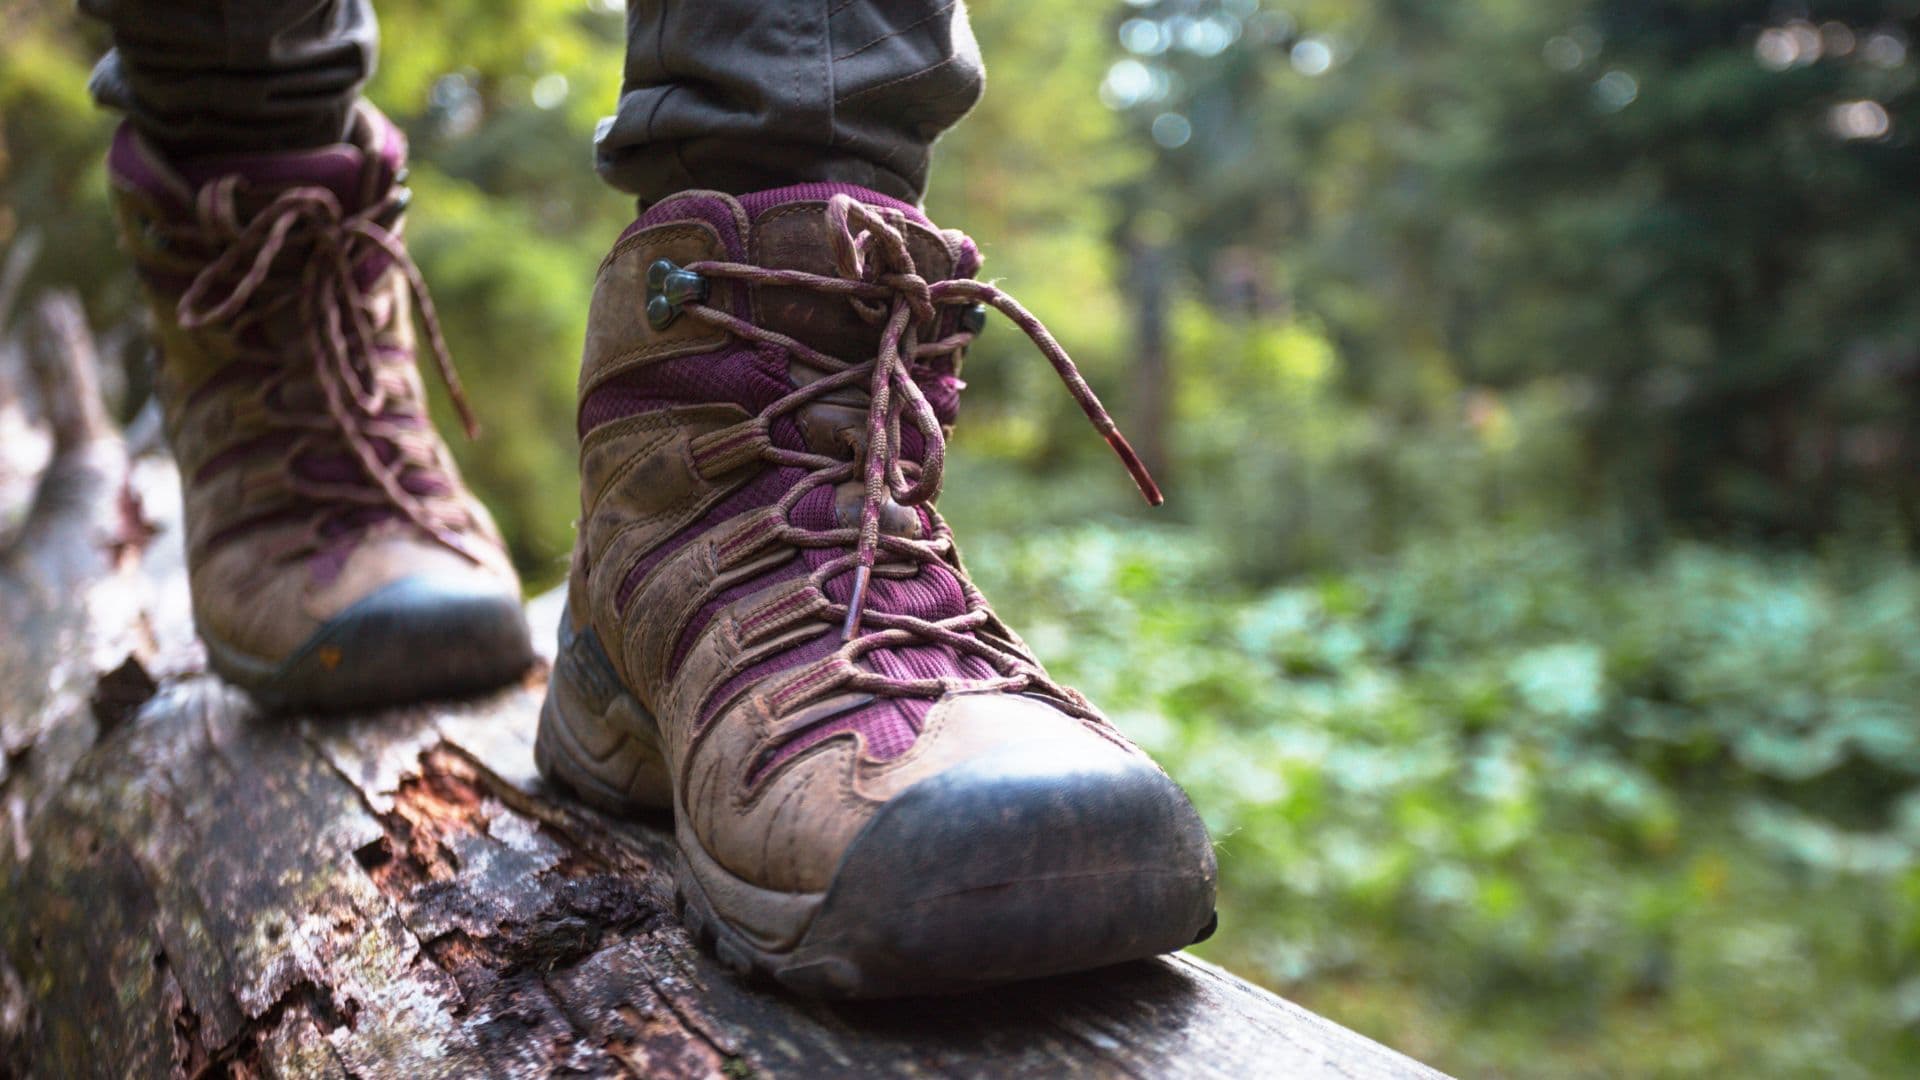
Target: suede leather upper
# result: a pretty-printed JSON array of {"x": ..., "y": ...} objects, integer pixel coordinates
[
  {"x": 285, "y": 527},
  {"x": 707, "y": 611}
]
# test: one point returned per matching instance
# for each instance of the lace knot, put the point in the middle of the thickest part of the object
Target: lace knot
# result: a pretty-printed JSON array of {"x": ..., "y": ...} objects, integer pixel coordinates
[
  {"x": 874, "y": 272},
  {"x": 339, "y": 319}
]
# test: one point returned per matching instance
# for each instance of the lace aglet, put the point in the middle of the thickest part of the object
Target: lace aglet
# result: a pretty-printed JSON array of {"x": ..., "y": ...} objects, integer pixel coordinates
[
  {"x": 1137, "y": 468},
  {"x": 856, "y": 603}
]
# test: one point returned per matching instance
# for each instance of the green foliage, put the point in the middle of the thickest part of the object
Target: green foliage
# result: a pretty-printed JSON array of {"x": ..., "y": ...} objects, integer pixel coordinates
[
  {"x": 519, "y": 362},
  {"x": 1700, "y": 210},
  {"x": 1024, "y": 176},
  {"x": 1481, "y": 364},
  {"x": 1517, "y": 793},
  {"x": 51, "y": 142}
]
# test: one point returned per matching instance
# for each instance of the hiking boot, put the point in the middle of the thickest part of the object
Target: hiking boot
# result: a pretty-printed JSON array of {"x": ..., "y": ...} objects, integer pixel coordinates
[
  {"x": 877, "y": 789},
  {"x": 335, "y": 558}
]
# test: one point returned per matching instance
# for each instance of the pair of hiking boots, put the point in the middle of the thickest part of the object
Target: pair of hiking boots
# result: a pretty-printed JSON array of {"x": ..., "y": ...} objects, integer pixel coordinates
[{"x": 876, "y": 788}]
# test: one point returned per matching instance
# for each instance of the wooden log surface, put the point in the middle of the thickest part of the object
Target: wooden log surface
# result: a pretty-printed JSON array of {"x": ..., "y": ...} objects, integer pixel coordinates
[{"x": 187, "y": 888}]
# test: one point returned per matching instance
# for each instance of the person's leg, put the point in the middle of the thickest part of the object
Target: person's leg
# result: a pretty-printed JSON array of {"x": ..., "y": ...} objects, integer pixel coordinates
[
  {"x": 878, "y": 790},
  {"x": 199, "y": 77},
  {"x": 743, "y": 96},
  {"x": 336, "y": 560}
]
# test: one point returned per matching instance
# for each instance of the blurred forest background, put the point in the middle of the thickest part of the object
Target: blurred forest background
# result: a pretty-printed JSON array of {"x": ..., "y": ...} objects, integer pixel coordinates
[{"x": 1535, "y": 616}]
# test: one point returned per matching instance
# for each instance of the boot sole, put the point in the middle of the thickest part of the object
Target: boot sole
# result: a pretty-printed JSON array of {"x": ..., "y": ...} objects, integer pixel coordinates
[
  {"x": 970, "y": 879},
  {"x": 411, "y": 641}
]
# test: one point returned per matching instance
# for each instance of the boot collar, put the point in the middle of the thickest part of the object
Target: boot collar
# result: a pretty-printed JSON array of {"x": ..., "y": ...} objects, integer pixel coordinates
[
  {"x": 787, "y": 229},
  {"x": 358, "y": 171}
]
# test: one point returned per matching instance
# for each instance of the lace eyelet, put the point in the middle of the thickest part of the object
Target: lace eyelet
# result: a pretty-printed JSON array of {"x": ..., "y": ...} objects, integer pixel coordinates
[
  {"x": 669, "y": 289},
  {"x": 973, "y": 318}
]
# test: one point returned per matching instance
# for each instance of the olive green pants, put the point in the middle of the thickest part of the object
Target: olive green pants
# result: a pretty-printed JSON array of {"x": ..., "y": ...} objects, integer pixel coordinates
[{"x": 735, "y": 95}]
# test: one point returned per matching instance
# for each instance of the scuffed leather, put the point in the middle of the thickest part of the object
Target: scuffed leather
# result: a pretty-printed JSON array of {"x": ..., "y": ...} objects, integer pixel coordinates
[
  {"x": 247, "y": 592},
  {"x": 783, "y": 828},
  {"x": 794, "y": 237},
  {"x": 619, "y": 338}
]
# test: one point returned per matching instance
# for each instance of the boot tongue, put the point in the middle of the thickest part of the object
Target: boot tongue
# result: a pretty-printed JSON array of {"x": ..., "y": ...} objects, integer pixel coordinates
[
  {"x": 357, "y": 172},
  {"x": 791, "y": 232}
]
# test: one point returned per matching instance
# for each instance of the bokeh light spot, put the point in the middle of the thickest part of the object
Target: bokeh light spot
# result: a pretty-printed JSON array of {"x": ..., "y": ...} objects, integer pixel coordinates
[
  {"x": 550, "y": 90},
  {"x": 1210, "y": 36},
  {"x": 1615, "y": 91},
  {"x": 1562, "y": 53},
  {"x": 1312, "y": 56},
  {"x": 1886, "y": 49},
  {"x": 1172, "y": 130},
  {"x": 1775, "y": 49},
  {"x": 1859, "y": 120},
  {"x": 1144, "y": 37},
  {"x": 1128, "y": 83}
]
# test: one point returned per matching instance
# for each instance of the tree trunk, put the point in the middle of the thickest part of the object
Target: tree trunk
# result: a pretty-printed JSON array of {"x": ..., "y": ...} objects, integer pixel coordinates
[
  {"x": 1147, "y": 282},
  {"x": 187, "y": 888}
]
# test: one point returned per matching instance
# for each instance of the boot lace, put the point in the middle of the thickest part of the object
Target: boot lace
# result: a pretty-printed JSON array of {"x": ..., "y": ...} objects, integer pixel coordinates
[
  {"x": 875, "y": 273},
  {"x": 340, "y": 320}
]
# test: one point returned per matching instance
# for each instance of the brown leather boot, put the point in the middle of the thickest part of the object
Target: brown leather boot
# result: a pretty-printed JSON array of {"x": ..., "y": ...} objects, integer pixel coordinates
[
  {"x": 336, "y": 560},
  {"x": 877, "y": 789}
]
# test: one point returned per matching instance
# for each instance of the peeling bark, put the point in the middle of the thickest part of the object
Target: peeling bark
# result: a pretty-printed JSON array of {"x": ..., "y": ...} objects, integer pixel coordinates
[{"x": 189, "y": 889}]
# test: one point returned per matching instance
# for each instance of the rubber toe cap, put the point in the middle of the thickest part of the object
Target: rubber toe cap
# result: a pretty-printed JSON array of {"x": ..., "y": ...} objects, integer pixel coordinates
[
  {"x": 1037, "y": 859},
  {"x": 415, "y": 639}
]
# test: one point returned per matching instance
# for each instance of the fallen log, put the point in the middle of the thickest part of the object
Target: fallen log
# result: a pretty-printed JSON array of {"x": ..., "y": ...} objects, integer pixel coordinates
[{"x": 190, "y": 889}]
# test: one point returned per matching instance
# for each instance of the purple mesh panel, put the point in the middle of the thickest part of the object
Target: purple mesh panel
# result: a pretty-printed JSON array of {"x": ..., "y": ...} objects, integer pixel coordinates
[
  {"x": 901, "y": 664},
  {"x": 341, "y": 466},
  {"x": 924, "y": 662},
  {"x": 967, "y": 263},
  {"x": 752, "y": 378},
  {"x": 339, "y": 169},
  {"x": 332, "y": 559},
  {"x": 760, "y": 202},
  {"x": 942, "y": 389},
  {"x": 933, "y": 593},
  {"x": 887, "y": 732},
  {"x": 912, "y": 444},
  {"x": 804, "y": 653},
  {"x": 617, "y": 400},
  {"x": 764, "y": 490},
  {"x": 348, "y": 524},
  {"x": 340, "y": 538},
  {"x": 931, "y": 662},
  {"x": 690, "y": 633},
  {"x": 714, "y": 212},
  {"x": 367, "y": 273},
  {"x": 425, "y": 483},
  {"x": 135, "y": 165},
  {"x": 890, "y": 725},
  {"x": 329, "y": 468}
]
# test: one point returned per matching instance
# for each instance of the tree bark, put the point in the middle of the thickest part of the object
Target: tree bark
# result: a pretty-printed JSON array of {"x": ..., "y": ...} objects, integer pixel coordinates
[{"x": 190, "y": 889}]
